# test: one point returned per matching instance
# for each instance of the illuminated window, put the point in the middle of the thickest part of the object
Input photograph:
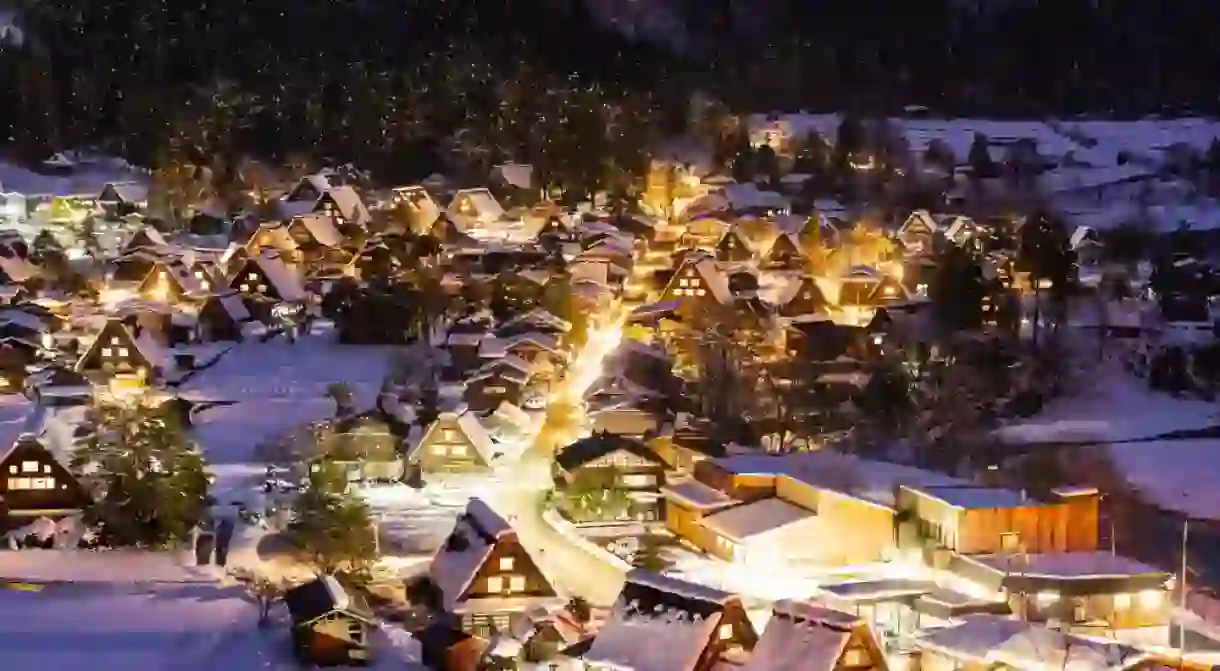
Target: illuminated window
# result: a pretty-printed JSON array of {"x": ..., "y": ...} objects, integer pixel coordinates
[
  {"x": 516, "y": 584},
  {"x": 638, "y": 479},
  {"x": 1122, "y": 601},
  {"x": 438, "y": 450},
  {"x": 114, "y": 340},
  {"x": 457, "y": 450},
  {"x": 855, "y": 657},
  {"x": 122, "y": 351},
  {"x": 1151, "y": 598},
  {"x": 683, "y": 282},
  {"x": 1047, "y": 598},
  {"x": 18, "y": 484},
  {"x": 447, "y": 435},
  {"x": 497, "y": 391},
  {"x": 12, "y": 468},
  {"x": 701, "y": 292},
  {"x": 495, "y": 584},
  {"x": 29, "y": 467},
  {"x": 253, "y": 277},
  {"x": 725, "y": 632},
  {"x": 244, "y": 287},
  {"x": 106, "y": 351},
  {"x": 506, "y": 563}
]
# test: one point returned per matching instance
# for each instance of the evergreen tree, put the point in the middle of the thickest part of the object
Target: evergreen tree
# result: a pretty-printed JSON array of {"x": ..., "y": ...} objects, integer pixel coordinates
[
  {"x": 648, "y": 557},
  {"x": 982, "y": 166},
  {"x": 332, "y": 527},
  {"x": 957, "y": 290},
  {"x": 147, "y": 477},
  {"x": 768, "y": 165}
]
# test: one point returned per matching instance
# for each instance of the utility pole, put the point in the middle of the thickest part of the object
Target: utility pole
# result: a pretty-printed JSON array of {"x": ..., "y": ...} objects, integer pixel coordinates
[{"x": 1182, "y": 594}]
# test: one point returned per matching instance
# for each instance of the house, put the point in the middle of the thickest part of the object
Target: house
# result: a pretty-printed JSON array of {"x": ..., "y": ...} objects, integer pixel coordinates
[
  {"x": 126, "y": 351},
  {"x": 806, "y": 637},
  {"x": 309, "y": 189},
  {"x": 545, "y": 634},
  {"x": 969, "y": 519},
  {"x": 474, "y": 208},
  {"x": 486, "y": 577},
  {"x": 962, "y": 229},
  {"x": 698, "y": 285},
  {"x": 147, "y": 239},
  {"x": 1086, "y": 243},
  {"x": 277, "y": 238},
  {"x": 763, "y": 531},
  {"x": 664, "y": 624},
  {"x": 498, "y": 380},
  {"x": 420, "y": 206},
  {"x": 267, "y": 276},
  {"x": 123, "y": 197},
  {"x": 786, "y": 253},
  {"x": 917, "y": 233},
  {"x": 343, "y": 205},
  {"x": 36, "y": 484},
  {"x": 330, "y": 624},
  {"x": 223, "y": 317},
  {"x": 173, "y": 282},
  {"x": 314, "y": 234},
  {"x": 1084, "y": 592},
  {"x": 800, "y": 297},
  {"x": 983, "y": 642},
  {"x": 604, "y": 466},
  {"x": 517, "y": 291},
  {"x": 453, "y": 443},
  {"x": 735, "y": 247}
]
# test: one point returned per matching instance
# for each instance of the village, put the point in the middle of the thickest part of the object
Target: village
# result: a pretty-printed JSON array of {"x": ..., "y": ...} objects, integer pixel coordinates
[{"x": 885, "y": 396}]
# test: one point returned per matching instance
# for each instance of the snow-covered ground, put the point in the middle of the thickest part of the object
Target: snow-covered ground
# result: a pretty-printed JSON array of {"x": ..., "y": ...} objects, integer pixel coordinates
[
  {"x": 189, "y": 626},
  {"x": 90, "y": 177},
  {"x": 1174, "y": 474},
  {"x": 278, "y": 386},
  {"x": 1113, "y": 406},
  {"x": 417, "y": 521}
]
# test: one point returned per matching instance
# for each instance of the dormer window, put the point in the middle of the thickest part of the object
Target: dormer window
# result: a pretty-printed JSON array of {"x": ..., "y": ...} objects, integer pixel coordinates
[
  {"x": 29, "y": 466},
  {"x": 253, "y": 277}
]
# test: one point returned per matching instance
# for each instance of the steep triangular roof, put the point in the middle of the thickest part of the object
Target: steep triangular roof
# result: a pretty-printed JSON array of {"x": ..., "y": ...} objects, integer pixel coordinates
[
  {"x": 348, "y": 204},
  {"x": 919, "y": 221}
]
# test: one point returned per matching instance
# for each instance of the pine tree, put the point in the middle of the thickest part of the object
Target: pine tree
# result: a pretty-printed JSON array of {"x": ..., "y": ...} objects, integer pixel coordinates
[
  {"x": 649, "y": 558},
  {"x": 332, "y": 527},
  {"x": 148, "y": 478}
]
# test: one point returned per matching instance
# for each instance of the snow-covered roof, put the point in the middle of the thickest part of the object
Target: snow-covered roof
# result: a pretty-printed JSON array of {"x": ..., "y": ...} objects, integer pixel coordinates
[
  {"x": 919, "y": 218},
  {"x": 519, "y": 175},
  {"x": 350, "y": 206},
  {"x": 657, "y": 624},
  {"x": 695, "y": 494},
  {"x": 126, "y": 192},
  {"x": 1024, "y": 645},
  {"x": 715, "y": 278},
  {"x": 760, "y": 518},
  {"x": 321, "y": 228},
  {"x": 17, "y": 269},
  {"x": 456, "y": 563},
  {"x": 1067, "y": 565},
  {"x": 749, "y": 197},
  {"x": 865, "y": 479},
  {"x": 972, "y": 497},
  {"x": 486, "y": 209},
  {"x": 802, "y": 637},
  {"x": 281, "y": 276}
]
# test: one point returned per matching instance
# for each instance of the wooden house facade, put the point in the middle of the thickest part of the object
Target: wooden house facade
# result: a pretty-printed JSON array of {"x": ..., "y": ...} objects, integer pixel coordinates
[
  {"x": 36, "y": 484},
  {"x": 614, "y": 466},
  {"x": 486, "y": 576},
  {"x": 802, "y": 635},
  {"x": 330, "y": 624},
  {"x": 708, "y": 627},
  {"x": 453, "y": 443},
  {"x": 119, "y": 351}
]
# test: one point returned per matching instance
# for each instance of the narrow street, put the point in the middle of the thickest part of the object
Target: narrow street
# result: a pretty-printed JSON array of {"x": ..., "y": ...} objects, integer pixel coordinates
[{"x": 574, "y": 569}]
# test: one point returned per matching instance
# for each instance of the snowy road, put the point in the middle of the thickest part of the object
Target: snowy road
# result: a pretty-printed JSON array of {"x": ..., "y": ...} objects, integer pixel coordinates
[{"x": 573, "y": 569}]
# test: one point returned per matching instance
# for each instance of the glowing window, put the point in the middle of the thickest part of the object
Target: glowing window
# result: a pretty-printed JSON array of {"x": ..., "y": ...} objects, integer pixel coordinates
[
  {"x": 495, "y": 584},
  {"x": 516, "y": 584},
  {"x": 701, "y": 292},
  {"x": 1122, "y": 601},
  {"x": 1151, "y": 598},
  {"x": 29, "y": 467},
  {"x": 506, "y": 563},
  {"x": 114, "y": 340},
  {"x": 725, "y": 632},
  {"x": 122, "y": 351},
  {"x": 106, "y": 351}
]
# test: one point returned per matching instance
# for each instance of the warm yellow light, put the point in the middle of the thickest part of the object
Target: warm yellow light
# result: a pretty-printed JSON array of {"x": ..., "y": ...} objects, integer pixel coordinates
[
  {"x": 1047, "y": 598},
  {"x": 1151, "y": 598}
]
